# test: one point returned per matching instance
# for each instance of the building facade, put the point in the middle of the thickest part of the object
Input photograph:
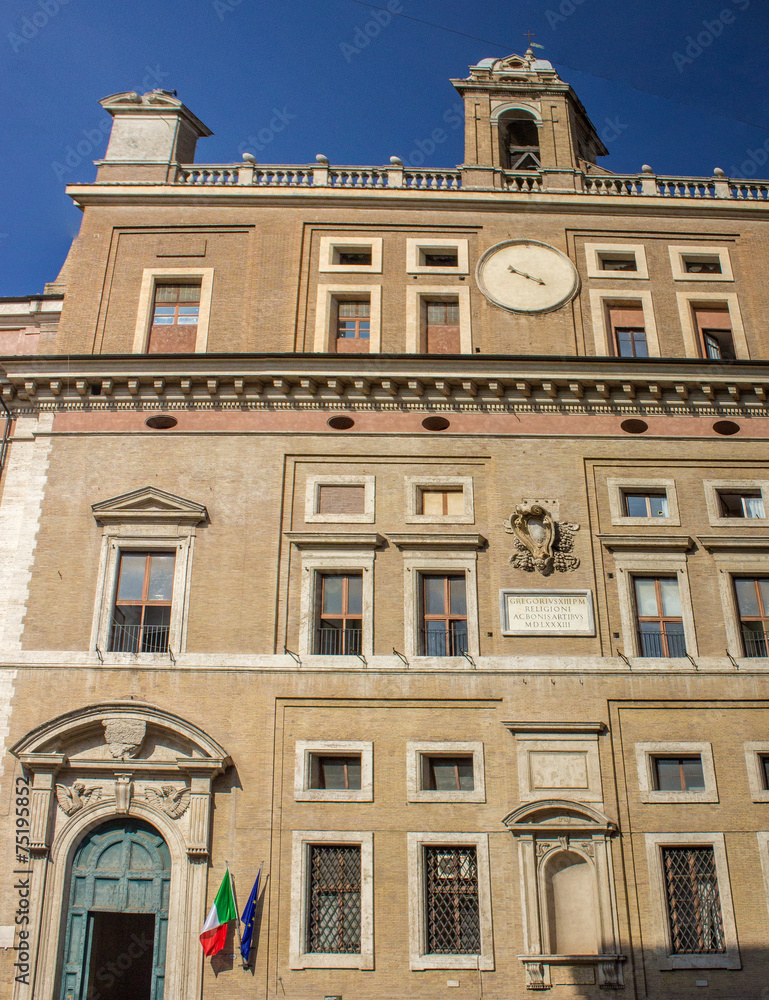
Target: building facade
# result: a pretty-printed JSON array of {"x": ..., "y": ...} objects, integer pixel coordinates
[{"x": 405, "y": 532}]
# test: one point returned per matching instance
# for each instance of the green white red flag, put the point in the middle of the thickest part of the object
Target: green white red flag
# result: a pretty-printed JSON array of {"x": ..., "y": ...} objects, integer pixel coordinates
[{"x": 214, "y": 932}]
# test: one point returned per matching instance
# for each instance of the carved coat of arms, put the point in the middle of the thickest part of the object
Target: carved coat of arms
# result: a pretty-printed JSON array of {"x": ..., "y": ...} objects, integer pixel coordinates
[{"x": 541, "y": 542}]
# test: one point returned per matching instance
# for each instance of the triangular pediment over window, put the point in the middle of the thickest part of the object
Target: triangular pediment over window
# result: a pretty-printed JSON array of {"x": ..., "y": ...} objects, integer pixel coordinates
[{"x": 149, "y": 505}]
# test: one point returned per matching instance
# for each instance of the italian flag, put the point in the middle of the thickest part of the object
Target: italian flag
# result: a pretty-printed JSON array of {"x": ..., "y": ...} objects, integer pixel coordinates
[{"x": 214, "y": 932}]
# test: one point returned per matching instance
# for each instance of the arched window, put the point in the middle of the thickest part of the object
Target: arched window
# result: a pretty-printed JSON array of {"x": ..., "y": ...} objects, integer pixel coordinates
[{"x": 520, "y": 141}]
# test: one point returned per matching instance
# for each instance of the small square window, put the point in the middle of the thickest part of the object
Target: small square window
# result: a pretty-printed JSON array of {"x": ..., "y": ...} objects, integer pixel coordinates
[
  {"x": 447, "y": 774},
  {"x": 702, "y": 265},
  {"x": 618, "y": 262},
  {"x": 441, "y": 502},
  {"x": 350, "y": 253},
  {"x": 438, "y": 499},
  {"x": 679, "y": 774},
  {"x": 746, "y": 504},
  {"x": 356, "y": 256},
  {"x": 646, "y": 504},
  {"x": 757, "y": 761},
  {"x": 335, "y": 772},
  {"x": 438, "y": 258},
  {"x": 340, "y": 499}
]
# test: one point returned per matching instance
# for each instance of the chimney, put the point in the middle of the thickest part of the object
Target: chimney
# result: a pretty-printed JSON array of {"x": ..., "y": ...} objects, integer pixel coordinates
[{"x": 151, "y": 135}]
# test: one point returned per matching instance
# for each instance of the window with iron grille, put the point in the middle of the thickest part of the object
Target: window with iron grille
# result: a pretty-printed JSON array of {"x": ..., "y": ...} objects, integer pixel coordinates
[
  {"x": 693, "y": 902},
  {"x": 334, "y": 911},
  {"x": 451, "y": 895},
  {"x": 753, "y": 602},
  {"x": 142, "y": 613},
  {"x": 660, "y": 624}
]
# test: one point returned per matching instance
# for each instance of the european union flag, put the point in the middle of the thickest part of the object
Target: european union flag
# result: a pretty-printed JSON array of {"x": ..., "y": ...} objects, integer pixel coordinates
[{"x": 249, "y": 915}]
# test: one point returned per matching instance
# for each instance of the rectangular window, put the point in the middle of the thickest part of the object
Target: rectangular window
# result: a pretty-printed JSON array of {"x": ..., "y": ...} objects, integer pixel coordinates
[
  {"x": 742, "y": 504},
  {"x": 334, "y": 911},
  {"x": 142, "y": 612},
  {"x": 175, "y": 314},
  {"x": 693, "y": 902},
  {"x": 715, "y": 330},
  {"x": 753, "y": 603},
  {"x": 447, "y": 774},
  {"x": 763, "y": 761},
  {"x": 679, "y": 774},
  {"x": 444, "y": 616},
  {"x": 438, "y": 258},
  {"x": 646, "y": 504},
  {"x": 702, "y": 265},
  {"x": 442, "y": 327},
  {"x": 451, "y": 894},
  {"x": 340, "y": 620},
  {"x": 335, "y": 772},
  {"x": 355, "y": 256},
  {"x": 628, "y": 328},
  {"x": 441, "y": 502},
  {"x": 618, "y": 262},
  {"x": 353, "y": 327},
  {"x": 333, "y": 499},
  {"x": 658, "y": 608}
]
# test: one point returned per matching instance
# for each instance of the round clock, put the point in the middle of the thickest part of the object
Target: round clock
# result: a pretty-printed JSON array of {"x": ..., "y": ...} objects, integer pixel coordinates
[{"x": 526, "y": 276}]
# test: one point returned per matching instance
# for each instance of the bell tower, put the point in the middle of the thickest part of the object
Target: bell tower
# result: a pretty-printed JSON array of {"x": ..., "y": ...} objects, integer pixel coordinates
[{"x": 521, "y": 119}]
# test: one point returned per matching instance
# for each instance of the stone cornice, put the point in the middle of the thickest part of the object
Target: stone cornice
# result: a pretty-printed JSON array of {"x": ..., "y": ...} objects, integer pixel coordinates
[
  {"x": 335, "y": 539},
  {"x": 719, "y": 543},
  {"x": 671, "y": 543}
]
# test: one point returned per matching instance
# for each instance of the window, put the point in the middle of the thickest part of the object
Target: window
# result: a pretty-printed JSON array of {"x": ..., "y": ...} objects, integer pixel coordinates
[
  {"x": 646, "y": 504},
  {"x": 749, "y": 504},
  {"x": 660, "y": 624},
  {"x": 449, "y": 901},
  {"x": 712, "y": 326},
  {"x": 616, "y": 260},
  {"x": 339, "y": 499},
  {"x": 678, "y": 774},
  {"x": 753, "y": 604},
  {"x": 332, "y": 900},
  {"x": 339, "y": 617},
  {"x": 350, "y": 253},
  {"x": 701, "y": 263},
  {"x": 439, "y": 500},
  {"x": 693, "y": 903},
  {"x": 715, "y": 329},
  {"x": 623, "y": 325},
  {"x": 521, "y": 144},
  {"x": 333, "y": 771},
  {"x": 353, "y": 327},
  {"x": 444, "y": 615},
  {"x": 143, "y": 603},
  {"x": 441, "y": 327},
  {"x": 175, "y": 314},
  {"x": 757, "y": 761},
  {"x": 174, "y": 311},
  {"x": 628, "y": 330},
  {"x": 447, "y": 771},
  {"x": 438, "y": 256}
]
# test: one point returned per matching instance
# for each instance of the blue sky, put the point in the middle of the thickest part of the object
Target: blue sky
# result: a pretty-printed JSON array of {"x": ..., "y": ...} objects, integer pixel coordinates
[{"x": 680, "y": 85}]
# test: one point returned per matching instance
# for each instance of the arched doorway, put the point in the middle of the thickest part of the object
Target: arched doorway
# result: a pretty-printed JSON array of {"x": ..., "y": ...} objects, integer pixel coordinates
[{"x": 115, "y": 942}]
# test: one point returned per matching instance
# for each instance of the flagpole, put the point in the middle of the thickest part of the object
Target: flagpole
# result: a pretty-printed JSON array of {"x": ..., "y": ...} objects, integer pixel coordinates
[
  {"x": 237, "y": 910},
  {"x": 245, "y": 963}
]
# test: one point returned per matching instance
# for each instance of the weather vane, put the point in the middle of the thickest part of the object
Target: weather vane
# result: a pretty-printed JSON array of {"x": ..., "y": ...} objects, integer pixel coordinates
[{"x": 530, "y": 35}]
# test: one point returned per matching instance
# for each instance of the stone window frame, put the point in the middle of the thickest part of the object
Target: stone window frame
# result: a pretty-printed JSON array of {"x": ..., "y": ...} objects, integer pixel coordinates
[
  {"x": 312, "y": 496},
  {"x": 151, "y": 278},
  {"x": 600, "y": 301},
  {"x": 414, "y": 246},
  {"x": 678, "y": 255},
  {"x": 559, "y": 743},
  {"x": 415, "y": 751},
  {"x": 730, "y": 564},
  {"x": 645, "y": 754},
  {"x": 754, "y": 751},
  {"x": 299, "y": 958},
  {"x": 418, "y": 959},
  {"x": 328, "y": 295},
  {"x": 688, "y": 301},
  {"x": 636, "y": 563},
  {"x": 595, "y": 251},
  {"x": 417, "y": 564},
  {"x": 715, "y": 486},
  {"x": 306, "y": 749},
  {"x": 414, "y": 484},
  {"x": 619, "y": 485},
  {"x": 762, "y": 837},
  {"x": 415, "y": 294},
  {"x": 662, "y": 955},
  {"x": 328, "y": 244},
  {"x": 314, "y": 565}
]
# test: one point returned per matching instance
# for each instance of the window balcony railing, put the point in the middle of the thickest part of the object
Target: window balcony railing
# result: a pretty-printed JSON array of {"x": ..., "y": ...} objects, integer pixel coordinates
[
  {"x": 337, "y": 641},
  {"x": 451, "y": 641},
  {"x": 755, "y": 642},
  {"x": 653, "y": 642},
  {"x": 138, "y": 638}
]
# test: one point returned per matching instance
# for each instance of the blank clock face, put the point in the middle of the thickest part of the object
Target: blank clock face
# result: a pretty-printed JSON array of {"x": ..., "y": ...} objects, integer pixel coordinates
[{"x": 527, "y": 277}]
